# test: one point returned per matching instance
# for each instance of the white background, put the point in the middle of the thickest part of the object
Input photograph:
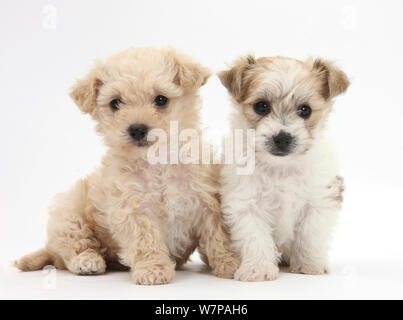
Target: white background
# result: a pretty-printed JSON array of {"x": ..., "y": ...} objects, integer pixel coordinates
[{"x": 46, "y": 144}]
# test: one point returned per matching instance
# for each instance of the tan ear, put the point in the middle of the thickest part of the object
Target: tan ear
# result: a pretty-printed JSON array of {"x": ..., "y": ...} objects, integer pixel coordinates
[
  {"x": 190, "y": 74},
  {"x": 235, "y": 79},
  {"x": 85, "y": 91},
  {"x": 334, "y": 80}
]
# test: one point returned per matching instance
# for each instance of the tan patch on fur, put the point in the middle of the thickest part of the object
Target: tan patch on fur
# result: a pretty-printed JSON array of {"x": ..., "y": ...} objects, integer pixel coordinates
[
  {"x": 334, "y": 81},
  {"x": 337, "y": 189},
  {"x": 237, "y": 79}
]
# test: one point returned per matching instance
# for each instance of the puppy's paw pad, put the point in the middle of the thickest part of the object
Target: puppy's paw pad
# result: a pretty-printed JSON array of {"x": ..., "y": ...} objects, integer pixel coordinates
[
  {"x": 152, "y": 274},
  {"x": 267, "y": 272},
  {"x": 88, "y": 262},
  {"x": 308, "y": 269}
]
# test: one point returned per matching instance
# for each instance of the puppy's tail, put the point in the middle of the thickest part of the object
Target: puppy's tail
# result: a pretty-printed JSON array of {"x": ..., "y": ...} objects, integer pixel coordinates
[{"x": 34, "y": 261}]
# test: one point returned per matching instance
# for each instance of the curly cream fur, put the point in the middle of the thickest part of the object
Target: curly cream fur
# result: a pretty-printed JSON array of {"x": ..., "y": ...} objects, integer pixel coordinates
[{"x": 149, "y": 218}]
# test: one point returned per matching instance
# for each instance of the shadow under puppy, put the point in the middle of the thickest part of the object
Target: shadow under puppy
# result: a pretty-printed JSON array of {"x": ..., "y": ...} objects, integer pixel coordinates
[
  {"x": 149, "y": 217},
  {"x": 287, "y": 208}
]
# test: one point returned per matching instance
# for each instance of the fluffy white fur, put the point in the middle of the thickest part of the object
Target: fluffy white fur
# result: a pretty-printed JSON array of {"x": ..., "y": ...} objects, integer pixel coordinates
[{"x": 286, "y": 210}]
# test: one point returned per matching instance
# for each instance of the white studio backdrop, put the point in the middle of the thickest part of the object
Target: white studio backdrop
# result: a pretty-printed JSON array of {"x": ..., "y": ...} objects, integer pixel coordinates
[{"x": 46, "y": 144}]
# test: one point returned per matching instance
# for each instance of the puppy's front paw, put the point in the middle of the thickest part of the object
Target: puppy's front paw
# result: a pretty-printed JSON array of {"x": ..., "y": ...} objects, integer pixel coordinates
[
  {"x": 266, "y": 272},
  {"x": 88, "y": 262},
  {"x": 308, "y": 268},
  {"x": 153, "y": 274}
]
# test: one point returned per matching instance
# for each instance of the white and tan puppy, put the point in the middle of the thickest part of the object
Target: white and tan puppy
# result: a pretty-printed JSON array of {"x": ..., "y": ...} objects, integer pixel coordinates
[
  {"x": 149, "y": 217},
  {"x": 285, "y": 211}
]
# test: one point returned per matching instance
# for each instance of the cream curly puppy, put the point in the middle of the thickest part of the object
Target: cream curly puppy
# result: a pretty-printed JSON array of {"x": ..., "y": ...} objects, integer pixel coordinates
[
  {"x": 149, "y": 217},
  {"x": 286, "y": 209}
]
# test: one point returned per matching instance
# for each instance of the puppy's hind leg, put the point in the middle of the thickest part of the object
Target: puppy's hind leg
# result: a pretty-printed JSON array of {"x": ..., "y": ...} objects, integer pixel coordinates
[
  {"x": 70, "y": 233},
  {"x": 215, "y": 244}
]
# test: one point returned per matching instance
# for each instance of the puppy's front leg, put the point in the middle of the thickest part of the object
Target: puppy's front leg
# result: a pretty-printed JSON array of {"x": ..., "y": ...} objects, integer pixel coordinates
[
  {"x": 313, "y": 232},
  {"x": 142, "y": 248},
  {"x": 252, "y": 238}
]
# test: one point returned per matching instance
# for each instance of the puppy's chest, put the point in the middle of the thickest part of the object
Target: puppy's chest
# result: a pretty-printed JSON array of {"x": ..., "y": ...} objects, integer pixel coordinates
[
  {"x": 178, "y": 211},
  {"x": 165, "y": 191},
  {"x": 177, "y": 194},
  {"x": 283, "y": 195}
]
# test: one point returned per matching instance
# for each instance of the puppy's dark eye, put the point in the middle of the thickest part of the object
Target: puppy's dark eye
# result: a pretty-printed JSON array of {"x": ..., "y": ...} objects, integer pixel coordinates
[
  {"x": 115, "y": 104},
  {"x": 262, "y": 108},
  {"x": 160, "y": 100},
  {"x": 304, "y": 111}
]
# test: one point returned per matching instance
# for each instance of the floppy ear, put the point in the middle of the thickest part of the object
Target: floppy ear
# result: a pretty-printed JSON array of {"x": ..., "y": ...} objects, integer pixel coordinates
[
  {"x": 334, "y": 81},
  {"x": 235, "y": 79},
  {"x": 190, "y": 75},
  {"x": 85, "y": 91}
]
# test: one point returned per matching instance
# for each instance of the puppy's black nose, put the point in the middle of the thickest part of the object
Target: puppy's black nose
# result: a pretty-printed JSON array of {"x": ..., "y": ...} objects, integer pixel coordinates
[
  {"x": 138, "y": 131},
  {"x": 282, "y": 141}
]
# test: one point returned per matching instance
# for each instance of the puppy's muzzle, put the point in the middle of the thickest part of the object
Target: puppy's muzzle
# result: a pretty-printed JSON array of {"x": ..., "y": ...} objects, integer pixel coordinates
[
  {"x": 138, "y": 132},
  {"x": 281, "y": 144}
]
